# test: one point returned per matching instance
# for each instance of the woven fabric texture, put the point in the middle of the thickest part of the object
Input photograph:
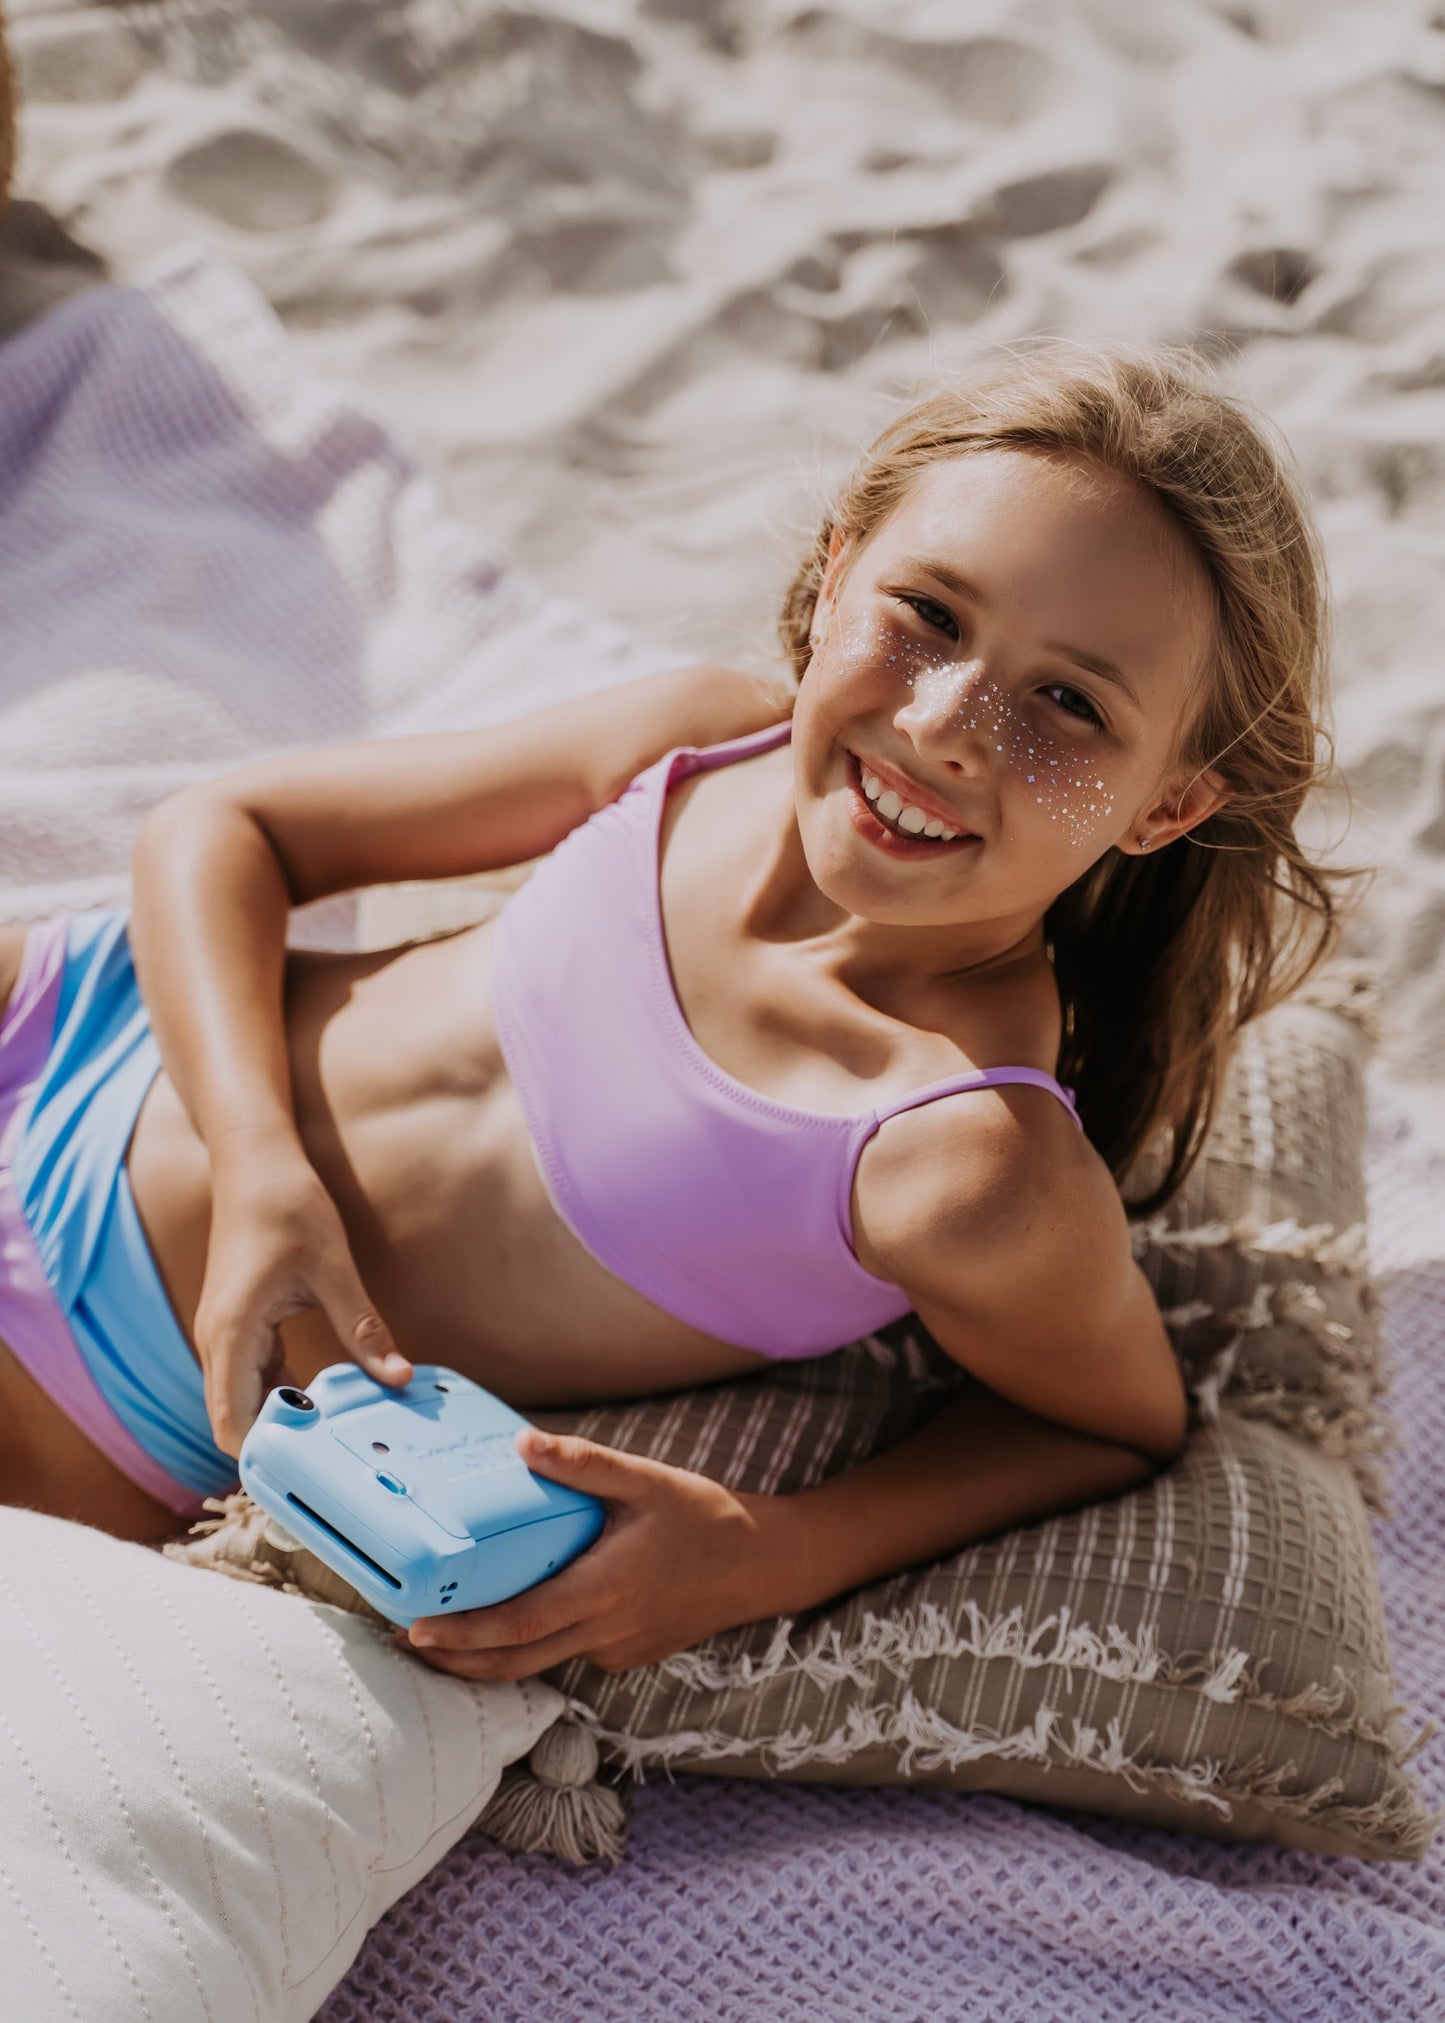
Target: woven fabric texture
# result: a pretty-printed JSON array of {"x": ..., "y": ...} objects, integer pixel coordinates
[
  {"x": 756, "y": 1901},
  {"x": 1260, "y": 1263}
]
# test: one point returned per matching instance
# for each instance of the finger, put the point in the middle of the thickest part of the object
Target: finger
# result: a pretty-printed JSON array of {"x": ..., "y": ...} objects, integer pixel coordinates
[
  {"x": 560, "y": 1602},
  {"x": 515, "y": 1661},
  {"x": 582, "y": 1464},
  {"x": 234, "y": 1387},
  {"x": 359, "y": 1328}
]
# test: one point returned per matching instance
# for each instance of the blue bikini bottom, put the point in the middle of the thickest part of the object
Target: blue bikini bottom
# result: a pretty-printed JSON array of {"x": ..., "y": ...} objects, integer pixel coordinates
[{"x": 82, "y": 1305}]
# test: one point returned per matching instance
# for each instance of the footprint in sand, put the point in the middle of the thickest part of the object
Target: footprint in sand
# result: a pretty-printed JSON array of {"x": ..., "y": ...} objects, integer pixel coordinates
[
  {"x": 989, "y": 79},
  {"x": 1388, "y": 775},
  {"x": 602, "y": 253},
  {"x": 852, "y": 293},
  {"x": 993, "y": 80},
  {"x": 1279, "y": 273},
  {"x": 721, "y": 25},
  {"x": 252, "y": 181},
  {"x": 89, "y": 61},
  {"x": 955, "y": 274},
  {"x": 1432, "y": 836},
  {"x": 1048, "y": 202}
]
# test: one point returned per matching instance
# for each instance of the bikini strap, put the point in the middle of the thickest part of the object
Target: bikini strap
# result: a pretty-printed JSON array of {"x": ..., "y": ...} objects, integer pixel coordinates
[
  {"x": 984, "y": 1078},
  {"x": 688, "y": 759}
]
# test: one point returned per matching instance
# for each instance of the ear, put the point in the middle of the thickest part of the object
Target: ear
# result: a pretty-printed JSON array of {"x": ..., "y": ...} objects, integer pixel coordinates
[
  {"x": 1176, "y": 813},
  {"x": 840, "y": 549}
]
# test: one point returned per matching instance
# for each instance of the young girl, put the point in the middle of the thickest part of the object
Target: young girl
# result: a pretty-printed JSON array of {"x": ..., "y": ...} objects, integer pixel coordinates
[{"x": 761, "y": 1058}]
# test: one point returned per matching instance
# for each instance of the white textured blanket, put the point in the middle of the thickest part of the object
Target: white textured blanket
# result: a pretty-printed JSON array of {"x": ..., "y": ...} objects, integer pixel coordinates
[{"x": 206, "y": 554}]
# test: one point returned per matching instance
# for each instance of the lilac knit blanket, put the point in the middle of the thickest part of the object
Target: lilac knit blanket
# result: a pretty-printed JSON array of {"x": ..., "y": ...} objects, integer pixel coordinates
[{"x": 770, "y": 1903}]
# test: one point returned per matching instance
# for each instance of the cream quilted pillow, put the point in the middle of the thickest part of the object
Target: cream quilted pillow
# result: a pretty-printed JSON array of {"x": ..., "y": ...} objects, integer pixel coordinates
[{"x": 211, "y": 1791}]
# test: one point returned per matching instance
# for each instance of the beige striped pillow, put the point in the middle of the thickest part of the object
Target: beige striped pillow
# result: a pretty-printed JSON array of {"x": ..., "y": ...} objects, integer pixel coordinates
[{"x": 1208, "y": 1652}]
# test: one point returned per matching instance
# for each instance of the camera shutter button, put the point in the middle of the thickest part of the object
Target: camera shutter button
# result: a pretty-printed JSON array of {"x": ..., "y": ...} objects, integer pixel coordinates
[{"x": 390, "y": 1482}]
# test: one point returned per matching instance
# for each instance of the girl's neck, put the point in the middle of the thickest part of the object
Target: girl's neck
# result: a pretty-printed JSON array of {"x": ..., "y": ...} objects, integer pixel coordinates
[{"x": 779, "y": 901}]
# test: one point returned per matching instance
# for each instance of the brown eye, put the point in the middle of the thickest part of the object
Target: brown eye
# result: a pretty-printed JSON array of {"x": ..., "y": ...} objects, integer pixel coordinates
[
  {"x": 1087, "y": 715},
  {"x": 936, "y": 616}
]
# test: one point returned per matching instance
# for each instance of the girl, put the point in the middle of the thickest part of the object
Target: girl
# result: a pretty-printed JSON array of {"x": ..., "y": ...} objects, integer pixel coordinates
[{"x": 762, "y": 1057}]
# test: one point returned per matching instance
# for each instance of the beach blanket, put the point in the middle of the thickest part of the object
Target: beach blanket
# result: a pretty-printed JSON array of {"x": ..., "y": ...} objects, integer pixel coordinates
[{"x": 207, "y": 554}]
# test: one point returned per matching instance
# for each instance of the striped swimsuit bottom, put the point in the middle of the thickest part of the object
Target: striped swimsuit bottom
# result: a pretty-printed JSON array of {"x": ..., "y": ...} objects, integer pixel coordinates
[{"x": 82, "y": 1305}]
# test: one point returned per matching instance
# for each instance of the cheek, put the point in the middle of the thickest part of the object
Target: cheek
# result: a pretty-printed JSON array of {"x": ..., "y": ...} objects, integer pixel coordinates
[
  {"x": 1064, "y": 788},
  {"x": 867, "y": 652}
]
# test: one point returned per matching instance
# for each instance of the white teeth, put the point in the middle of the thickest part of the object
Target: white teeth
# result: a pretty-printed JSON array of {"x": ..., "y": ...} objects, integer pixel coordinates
[{"x": 912, "y": 821}]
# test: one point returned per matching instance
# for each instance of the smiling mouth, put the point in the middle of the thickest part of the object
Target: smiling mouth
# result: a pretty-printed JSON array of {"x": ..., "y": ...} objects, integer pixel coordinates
[{"x": 875, "y": 817}]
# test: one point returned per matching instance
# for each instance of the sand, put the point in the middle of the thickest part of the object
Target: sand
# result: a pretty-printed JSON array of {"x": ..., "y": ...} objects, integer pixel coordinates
[{"x": 635, "y": 278}]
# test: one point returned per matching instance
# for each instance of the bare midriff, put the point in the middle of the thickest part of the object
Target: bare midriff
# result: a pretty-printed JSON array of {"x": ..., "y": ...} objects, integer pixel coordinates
[{"x": 405, "y": 1110}]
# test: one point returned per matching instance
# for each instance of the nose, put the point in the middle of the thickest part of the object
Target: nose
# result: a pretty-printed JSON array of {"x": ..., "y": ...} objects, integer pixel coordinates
[{"x": 953, "y": 715}]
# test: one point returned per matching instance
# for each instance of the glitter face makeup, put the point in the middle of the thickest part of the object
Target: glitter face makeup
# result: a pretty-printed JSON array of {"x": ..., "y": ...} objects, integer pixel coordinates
[
  {"x": 1039, "y": 746},
  {"x": 1000, "y": 674}
]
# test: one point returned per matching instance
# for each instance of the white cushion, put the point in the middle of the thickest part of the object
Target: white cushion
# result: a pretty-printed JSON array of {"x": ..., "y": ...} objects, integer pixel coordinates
[{"x": 209, "y": 1791}]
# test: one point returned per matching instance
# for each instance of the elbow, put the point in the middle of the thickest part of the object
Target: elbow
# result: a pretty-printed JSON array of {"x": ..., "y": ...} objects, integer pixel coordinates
[
  {"x": 178, "y": 812},
  {"x": 179, "y": 829},
  {"x": 1162, "y": 1455},
  {"x": 168, "y": 826}
]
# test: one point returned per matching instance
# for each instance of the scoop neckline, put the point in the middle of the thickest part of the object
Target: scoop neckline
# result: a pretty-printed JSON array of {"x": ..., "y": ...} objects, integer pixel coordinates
[
  {"x": 848, "y": 1120},
  {"x": 718, "y": 1076}
]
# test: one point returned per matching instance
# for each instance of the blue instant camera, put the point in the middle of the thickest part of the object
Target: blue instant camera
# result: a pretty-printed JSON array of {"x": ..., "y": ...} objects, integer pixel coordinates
[{"x": 415, "y": 1494}]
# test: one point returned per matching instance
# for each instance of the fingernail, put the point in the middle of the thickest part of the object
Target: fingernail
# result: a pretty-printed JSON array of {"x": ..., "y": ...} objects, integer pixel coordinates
[
  {"x": 539, "y": 1442},
  {"x": 394, "y": 1366}
]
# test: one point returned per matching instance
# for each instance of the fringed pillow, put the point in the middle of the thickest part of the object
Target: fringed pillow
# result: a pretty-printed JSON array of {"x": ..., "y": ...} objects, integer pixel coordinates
[
  {"x": 1206, "y": 1653},
  {"x": 1260, "y": 1262}
]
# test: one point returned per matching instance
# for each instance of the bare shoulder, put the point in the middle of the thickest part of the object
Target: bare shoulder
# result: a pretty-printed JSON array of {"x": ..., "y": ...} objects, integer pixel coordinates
[
  {"x": 701, "y": 705},
  {"x": 1011, "y": 1240},
  {"x": 1000, "y": 1176}
]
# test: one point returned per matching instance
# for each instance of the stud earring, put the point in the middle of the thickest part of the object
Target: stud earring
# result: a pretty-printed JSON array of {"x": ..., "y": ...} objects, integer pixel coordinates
[{"x": 1143, "y": 842}]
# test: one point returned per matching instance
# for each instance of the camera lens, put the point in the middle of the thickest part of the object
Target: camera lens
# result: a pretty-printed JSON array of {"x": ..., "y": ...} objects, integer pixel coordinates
[{"x": 297, "y": 1399}]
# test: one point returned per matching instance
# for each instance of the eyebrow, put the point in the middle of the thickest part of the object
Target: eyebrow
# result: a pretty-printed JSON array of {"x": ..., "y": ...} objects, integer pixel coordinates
[{"x": 1091, "y": 663}]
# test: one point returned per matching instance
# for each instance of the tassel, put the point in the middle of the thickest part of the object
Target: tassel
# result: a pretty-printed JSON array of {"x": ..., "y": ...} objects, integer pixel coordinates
[{"x": 554, "y": 1803}]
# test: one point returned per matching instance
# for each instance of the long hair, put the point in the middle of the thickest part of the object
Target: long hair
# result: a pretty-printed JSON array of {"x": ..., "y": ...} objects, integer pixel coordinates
[{"x": 1160, "y": 960}]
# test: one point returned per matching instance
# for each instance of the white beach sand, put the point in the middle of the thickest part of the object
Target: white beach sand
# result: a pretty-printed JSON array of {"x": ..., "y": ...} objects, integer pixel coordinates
[{"x": 635, "y": 278}]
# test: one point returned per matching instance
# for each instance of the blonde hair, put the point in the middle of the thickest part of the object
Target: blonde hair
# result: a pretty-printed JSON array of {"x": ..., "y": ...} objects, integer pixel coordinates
[{"x": 1160, "y": 960}]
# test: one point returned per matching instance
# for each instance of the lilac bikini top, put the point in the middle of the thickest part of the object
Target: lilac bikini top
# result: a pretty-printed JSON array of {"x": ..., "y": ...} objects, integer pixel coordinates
[{"x": 722, "y": 1207}]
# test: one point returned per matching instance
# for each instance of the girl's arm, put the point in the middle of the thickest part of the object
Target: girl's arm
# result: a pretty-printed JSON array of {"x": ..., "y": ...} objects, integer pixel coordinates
[
  {"x": 1020, "y": 1266},
  {"x": 218, "y": 866},
  {"x": 1026, "y": 1277},
  {"x": 682, "y": 1557},
  {"x": 217, "y": 869}
]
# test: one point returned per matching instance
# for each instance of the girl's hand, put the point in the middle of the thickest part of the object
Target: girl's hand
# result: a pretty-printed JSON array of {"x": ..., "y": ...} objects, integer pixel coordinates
[
  {"x": 679, "y": 1558},
  {"x": 277, "y": 1248}
]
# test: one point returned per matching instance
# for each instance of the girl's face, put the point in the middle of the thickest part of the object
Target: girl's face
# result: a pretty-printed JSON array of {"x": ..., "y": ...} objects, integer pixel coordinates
[{"x": 1012, "y": 656}]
